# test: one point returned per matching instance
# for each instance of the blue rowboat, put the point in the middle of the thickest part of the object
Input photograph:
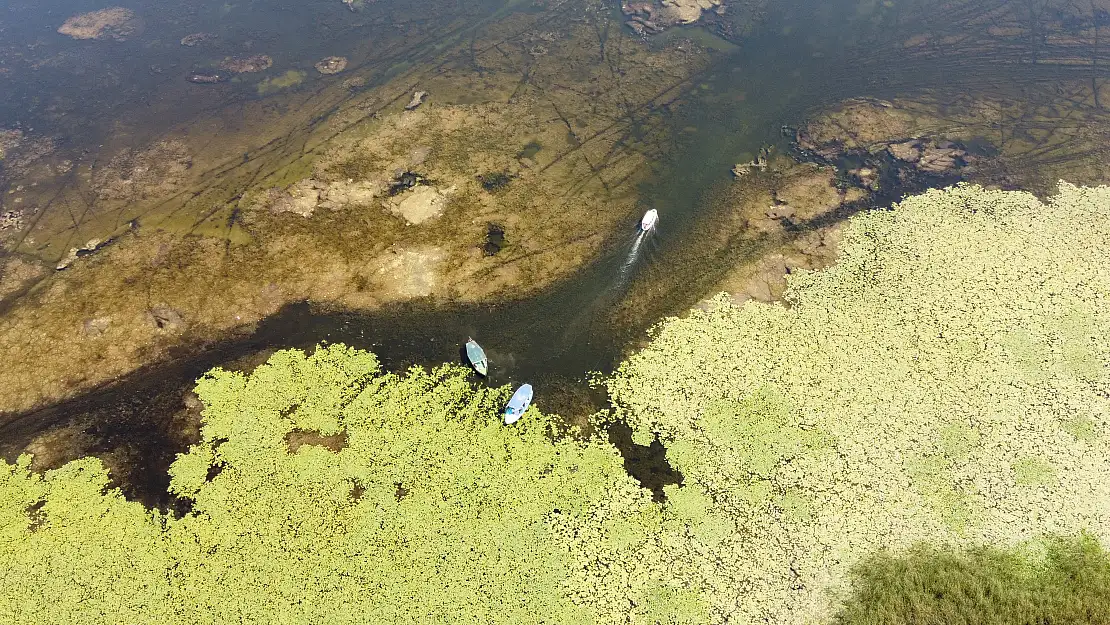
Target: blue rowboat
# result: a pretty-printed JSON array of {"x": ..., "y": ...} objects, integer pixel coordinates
[
  {"x": 477, "y": 356},
  {"x": 518, "y": 405}
]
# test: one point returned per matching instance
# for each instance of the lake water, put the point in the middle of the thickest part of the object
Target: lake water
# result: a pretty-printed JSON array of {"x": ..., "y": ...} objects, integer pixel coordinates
[{"x": 797, "y": 59}]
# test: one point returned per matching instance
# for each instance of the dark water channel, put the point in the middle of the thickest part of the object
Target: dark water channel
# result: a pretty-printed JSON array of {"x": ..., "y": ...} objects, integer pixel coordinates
[{"x": 798, "y": 61}]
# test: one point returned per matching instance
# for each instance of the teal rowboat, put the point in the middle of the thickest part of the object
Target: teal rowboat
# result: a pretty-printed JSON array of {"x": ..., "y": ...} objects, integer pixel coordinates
[{"x": 477, "y": 356}]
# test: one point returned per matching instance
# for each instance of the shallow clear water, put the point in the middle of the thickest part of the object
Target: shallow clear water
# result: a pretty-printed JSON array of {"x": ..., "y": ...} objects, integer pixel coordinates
[{"x": 801, "y": 58}]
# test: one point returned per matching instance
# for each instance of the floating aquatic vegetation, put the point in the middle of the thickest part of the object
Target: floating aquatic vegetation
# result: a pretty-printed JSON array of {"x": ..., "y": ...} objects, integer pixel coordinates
[
  {"x": 918, "y": 390},
  {"x": 408, "y": 495}
]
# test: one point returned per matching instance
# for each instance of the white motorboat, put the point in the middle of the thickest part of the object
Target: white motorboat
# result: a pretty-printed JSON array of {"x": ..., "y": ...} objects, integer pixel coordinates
[{"x": 649, "y": 220}]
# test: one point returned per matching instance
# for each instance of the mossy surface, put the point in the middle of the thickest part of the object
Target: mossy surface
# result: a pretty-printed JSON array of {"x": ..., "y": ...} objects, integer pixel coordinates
[{"x": 431, "y": 511}]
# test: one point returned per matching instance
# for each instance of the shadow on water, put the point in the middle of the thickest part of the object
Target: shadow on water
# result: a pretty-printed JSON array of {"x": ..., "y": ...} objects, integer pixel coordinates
[{"x": 647, "y": 463}]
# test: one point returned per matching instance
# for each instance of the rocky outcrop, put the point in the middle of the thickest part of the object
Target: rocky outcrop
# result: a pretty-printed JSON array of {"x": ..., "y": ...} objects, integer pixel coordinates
[
  {"x": 166, "y": 319},
  {"x": 410, "y": 272},
  {"x": 115, "y": 23},
  {"x": 196, "y": 39},
  {"x": 872, "y": 140},
  {"x": 331, "y": 65},
  {"x": 420, "y": 204},
  {"x": 416, "y": 101},
  {"x": 935, "y": 157},
  {"x": 654, "y": 16},
  {"x": 304, "y": 197},
  {"x": 246, "y": 64},
  {"x": 760, "y": 162},
  {"x": 90, "y": 246},
  {"x": 299, "y": 199},
  {"x": 11, "y": 221}
]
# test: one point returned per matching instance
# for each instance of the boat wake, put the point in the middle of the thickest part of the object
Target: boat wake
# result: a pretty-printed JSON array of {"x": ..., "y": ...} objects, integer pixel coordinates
[
  {"x": 640, "y": 247},
  {"x": 625, "y": 271}
]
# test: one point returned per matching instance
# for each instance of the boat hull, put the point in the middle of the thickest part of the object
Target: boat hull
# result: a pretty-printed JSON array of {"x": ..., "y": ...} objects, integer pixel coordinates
[
  {"x": 649, "y": 220},
  {"x": 477, "y": 357},
  {"x": 519, "y": 404}
]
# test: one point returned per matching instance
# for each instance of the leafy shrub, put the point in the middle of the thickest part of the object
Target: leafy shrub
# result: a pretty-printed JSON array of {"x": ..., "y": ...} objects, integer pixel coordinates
[{"x": 1068, "y": 584}]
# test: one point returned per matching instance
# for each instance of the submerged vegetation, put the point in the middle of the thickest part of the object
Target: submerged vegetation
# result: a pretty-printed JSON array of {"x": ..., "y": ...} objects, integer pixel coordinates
[{"x": 944, "y": 383}]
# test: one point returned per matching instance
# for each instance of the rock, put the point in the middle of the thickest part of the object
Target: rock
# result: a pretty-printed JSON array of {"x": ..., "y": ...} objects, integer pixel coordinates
[
  {"x": 781, "y": 211},
  {"x": 192, "y": 401},
  {"x": 300, "y": 199},
  {"x": 304, "y": 197},
  {"x": 743, "y": 169},
  {"x": 867, "y": 177},
  {"x": 420, "y": 204},
  {"x": 197, "y": 39},
  {"x": 417, "y": 100},
  {"x": 740, "y": 170},
  {"x": 11, "y": 220},
  {"x": 95, "y": 327},
  {"x": 680, "y": 11},
  {"x": 410, "y": 273},
  {"x": 246, "y": 64},
  {"x": 166, "y": 319},
  {"x": 418, "y": 155},
  {"x": 208, "y": 78},
  {"x": 89, "y": 247},
  {"x": 115, "y": 23},
  {"x": 645, "y": 16},
  {"x": 331, "y": 65},
  {"x": 356, "y": 83},
  {"x": 938, "y": 160},
  {"x": 633, "y": 8},
  {"x": 338, "y": 195},
  {"x": 908, "y": 151}
]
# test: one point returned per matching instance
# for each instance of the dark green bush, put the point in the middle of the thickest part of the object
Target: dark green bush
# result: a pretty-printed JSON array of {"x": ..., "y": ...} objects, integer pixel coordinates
[{"x": 984, "y": 586}]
